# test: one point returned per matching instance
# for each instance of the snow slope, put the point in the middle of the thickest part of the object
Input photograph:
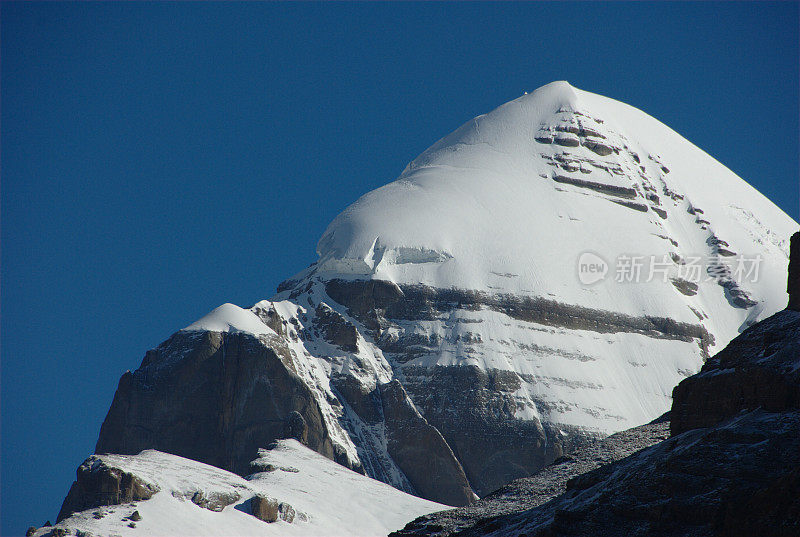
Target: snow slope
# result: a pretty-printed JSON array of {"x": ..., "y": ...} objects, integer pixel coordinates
[
  {"x": 230, "y": 318},
  {"x": 328, "y": 499},
  {"x": 507, "y": 204},
  {"x": 480, "y": 210}
]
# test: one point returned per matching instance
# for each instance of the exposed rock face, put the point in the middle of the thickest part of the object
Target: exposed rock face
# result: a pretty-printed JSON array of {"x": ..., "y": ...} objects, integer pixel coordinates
[
  {"x": 420, "y": 451},
  {"x": 336, "y": 329},
  {"x": 417, "y": 448},
  {"x": 216, "y": 398},
  {"x": 377, "y": 304},
  {"x": 793, "y": 283},
  {"x": 476, "y": 409},
  {"x": 758, "y": 369},
  {"x": 493, "y": 446},
  {"x": 99, "y": 484}
]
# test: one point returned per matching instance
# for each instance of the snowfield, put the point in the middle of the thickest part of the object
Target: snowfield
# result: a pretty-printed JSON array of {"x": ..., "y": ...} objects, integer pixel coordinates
[
  {"x": 480, "y": 210},
  {"x": 328, "y": 499}
]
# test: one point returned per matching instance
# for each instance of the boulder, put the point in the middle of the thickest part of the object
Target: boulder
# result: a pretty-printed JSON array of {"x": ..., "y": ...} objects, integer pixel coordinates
[
  {"x": 213, "y": 501},
  {"x": 99, "y": 484},
  {"x": 264, "y": 508}
]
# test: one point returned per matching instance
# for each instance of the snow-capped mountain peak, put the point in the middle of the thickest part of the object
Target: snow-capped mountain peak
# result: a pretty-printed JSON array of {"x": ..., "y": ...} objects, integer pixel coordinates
[{"x": 545, "y": 274}]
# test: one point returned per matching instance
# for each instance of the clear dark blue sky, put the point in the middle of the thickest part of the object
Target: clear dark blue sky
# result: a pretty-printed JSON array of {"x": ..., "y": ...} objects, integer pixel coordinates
[{"x": 161, "y": 159}]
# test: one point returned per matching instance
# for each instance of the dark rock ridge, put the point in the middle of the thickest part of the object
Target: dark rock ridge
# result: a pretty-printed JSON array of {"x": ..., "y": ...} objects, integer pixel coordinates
[
  {"x": 215, "y": 398},
  {"x": 376, "y": 302},
  {"x": 758, "y": 369},
  {"x": 735, "y": 479},
  {"x": 98, "y": 484},
  {"x": 793, "y": 283},
  {"x": 551, "y": 481}
]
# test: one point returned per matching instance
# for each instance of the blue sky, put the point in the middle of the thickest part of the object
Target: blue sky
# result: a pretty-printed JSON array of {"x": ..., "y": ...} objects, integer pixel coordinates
[{"x": 161, "y": 159}]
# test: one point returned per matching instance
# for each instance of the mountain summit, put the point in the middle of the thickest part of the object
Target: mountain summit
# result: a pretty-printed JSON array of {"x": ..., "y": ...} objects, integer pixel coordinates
[
  {"x": 477, "y": 250},
  {"x": 543, "y": 276}
]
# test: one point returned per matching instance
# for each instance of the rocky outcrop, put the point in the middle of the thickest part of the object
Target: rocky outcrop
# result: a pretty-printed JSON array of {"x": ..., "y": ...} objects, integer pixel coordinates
[
  {"x": 269, "y": 509},
  {"x": 551, "y": 481},
  {"x": 213, "y": 501},
  {"x": 758, "y": 369},
  {"x": 420, "y": 451},
  {"x": 793, "y": 283},
  {"x": 100, "y": 484},
  {"x": 218, "y": 397},
  {"x": 336, "y": 329},
  {"x": 598, "y": 147},
  {"x": 701, "y": 482},
  {"x": 215, "y": 398},
  {"x": 612, "y": 190}
]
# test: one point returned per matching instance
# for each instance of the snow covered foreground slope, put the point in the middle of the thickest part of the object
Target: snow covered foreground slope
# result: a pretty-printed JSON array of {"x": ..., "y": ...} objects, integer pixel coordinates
[
  {"x": 312, "y": 494},
  {"x": 444, "y": 342}
]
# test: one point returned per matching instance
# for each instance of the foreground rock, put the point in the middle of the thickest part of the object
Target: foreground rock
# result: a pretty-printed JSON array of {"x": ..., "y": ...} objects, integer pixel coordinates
[
  {"x": 294, "y": 491},
  {"x": 738, "y": 478},
  {"x": 551, "y": 481},
  {"x": 99, "y": 484},
  {"x": 759, "y": 369},
  {"x": 238, "y": 380}
]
